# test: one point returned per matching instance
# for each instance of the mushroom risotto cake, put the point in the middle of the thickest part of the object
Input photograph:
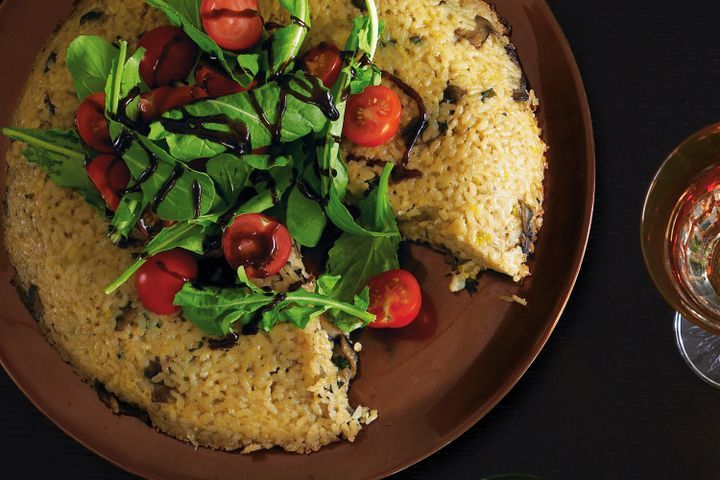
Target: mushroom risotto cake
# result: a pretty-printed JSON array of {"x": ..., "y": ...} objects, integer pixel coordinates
[{"x": 174, "y": 160}]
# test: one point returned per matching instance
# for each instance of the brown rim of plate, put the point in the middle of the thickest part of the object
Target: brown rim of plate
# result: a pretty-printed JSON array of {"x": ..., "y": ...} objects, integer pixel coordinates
[{"x": 453, "y": 369}]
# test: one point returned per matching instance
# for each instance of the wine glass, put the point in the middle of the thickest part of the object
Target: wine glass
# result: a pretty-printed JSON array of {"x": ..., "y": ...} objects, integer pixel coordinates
[{"x": 680, "y": 237}]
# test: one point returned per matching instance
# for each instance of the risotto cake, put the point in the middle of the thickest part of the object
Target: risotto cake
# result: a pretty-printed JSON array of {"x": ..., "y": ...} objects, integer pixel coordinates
[{"x": 479, "y": 197}]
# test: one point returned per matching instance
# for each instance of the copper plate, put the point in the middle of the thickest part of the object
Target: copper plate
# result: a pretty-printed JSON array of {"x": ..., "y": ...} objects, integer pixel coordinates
[{"x": 430, "y": 383}]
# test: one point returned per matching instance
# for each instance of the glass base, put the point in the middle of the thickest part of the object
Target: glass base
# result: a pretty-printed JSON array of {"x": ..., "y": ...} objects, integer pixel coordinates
[{"x": 700, "y": 349}]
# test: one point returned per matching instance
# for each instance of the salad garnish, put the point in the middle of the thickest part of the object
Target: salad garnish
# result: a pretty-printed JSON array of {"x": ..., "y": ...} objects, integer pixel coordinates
[{"x": 216, "y": 143}]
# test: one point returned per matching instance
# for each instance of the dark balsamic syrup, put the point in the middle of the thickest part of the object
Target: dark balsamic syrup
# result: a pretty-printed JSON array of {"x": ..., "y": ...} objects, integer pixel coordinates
[{"x": 418, "y": 125}]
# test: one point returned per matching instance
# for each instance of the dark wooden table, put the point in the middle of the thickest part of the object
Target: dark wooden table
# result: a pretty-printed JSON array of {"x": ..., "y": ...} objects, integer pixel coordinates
[{"x": 609, "y": 398}]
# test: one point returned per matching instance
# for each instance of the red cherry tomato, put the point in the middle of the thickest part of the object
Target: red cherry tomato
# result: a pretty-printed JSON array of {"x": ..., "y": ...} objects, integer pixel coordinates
[
  {"x": 373, "y": 116},
  {"x": 163, "y": 99},
  {"x": 218, "y": 85},
  {"x": 323, "y": 62},
  {"x": 170, "y": 56},
  {"x": 257, "y": 242},
  {"x": 233, "y": 24},
  {"x": 395, "y": 299},
  {"x": 162, "y": 277},
  {"x": 110, "y": 175},
  {"x": 92, "y": 125}
]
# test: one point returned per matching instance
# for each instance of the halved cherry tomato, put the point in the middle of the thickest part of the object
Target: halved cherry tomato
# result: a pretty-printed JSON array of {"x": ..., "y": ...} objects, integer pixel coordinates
[
  {"x": 110, "y": 175},
  {"x": 373, "y": 116},
  {"x": 395, "y": 299},
  {"x": 162, "y": 277},
  {"x": 92, "y": 125},
  {"x": 257, "y": 242},
  {"x": 324, "y": 62},
  {"x": 170, "y": 56},
  {"x": 233, "y": 24},
  {"x": 218, "y": 85},
  {"x": 163, "y": 99}
]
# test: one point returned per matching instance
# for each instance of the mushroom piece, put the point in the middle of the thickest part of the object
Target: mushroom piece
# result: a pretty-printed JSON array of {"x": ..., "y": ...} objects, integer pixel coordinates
[
  {"x": 478, "y": 36},
  {"x": 343, "y": 349},
  {"x": 453, "y": 93},
  {"x": 527, "y": 237}
]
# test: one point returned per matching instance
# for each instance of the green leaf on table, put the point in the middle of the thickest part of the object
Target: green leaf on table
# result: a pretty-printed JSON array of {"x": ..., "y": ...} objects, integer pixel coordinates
[
  {"x": 358, "y": 258},
  {"x": 90, "y": 59},
  {"x": 305, "y": 218},
  {"x": 62, "y": 156},
  {"x": 186, "y": 14},
  {"x": 233, "y": 114}
]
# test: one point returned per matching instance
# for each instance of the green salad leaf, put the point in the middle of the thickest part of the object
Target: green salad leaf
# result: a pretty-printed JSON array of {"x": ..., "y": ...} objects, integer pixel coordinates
[
  {"x": 243, "y": 68},
  {"x": 269, "y": 188},
  {"x": 62, "y": 156},
  {"x": 123, "y": 77},
  {"x": 231, "y": 175},
  {"x": 355, "y": 259},
  {"x": 356, "y": 75},
  {"x": 187, "y": 235},
  {"x": 237, "y": 112},
  {"x": 216, "y": 310},
  {"x": 90, "y": 59},
  {"x": 178, "y": 182},
  {"x": 305, "y": 218},
  {"x": 287, "y": 41}
]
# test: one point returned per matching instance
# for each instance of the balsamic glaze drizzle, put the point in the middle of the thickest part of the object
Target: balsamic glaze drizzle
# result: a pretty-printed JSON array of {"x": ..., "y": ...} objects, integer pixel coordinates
[
  {"x": 197, "y": 197},
  {"x": 168, "y": 185},
  {"x": 418, "y": 124}
]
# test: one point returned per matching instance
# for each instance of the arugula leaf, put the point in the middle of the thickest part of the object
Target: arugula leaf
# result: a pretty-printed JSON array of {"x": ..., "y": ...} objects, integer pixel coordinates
[
  {"x": 230, "y": 175},
  {"x": 62, "y": 156},
  {"x": 298, "y": 120},
  {"x": 176, "y": 178},
  {"x": 326, "y": 284},
  {"x": 89, "y": 59},
  {"x": 123, "y": 77},
  {"x": 355, "y": 76},
  {"x": 305, "y": 218},
  {"x": 215, "y": 310},
  {"x": 186, "y": 14},
  {"x": 357, "y": 258},
  {"x": 187, "y": 235},
  {"x": 269, "y": 191},
  {"x": 126, "y": 216},
  {"x": 287, "y": 41}
]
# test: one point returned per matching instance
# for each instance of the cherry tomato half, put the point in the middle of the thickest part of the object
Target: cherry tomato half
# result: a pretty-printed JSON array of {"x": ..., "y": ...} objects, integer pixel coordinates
[
  {"x": 395, "y": 299},
  {"x": 218, "y": 85},
  {"x": 110, "y": 175},
  {"x": 162, "y": 277},
  {"x": 92, "y": 125},
  {"x": 324, "y": 62},
  {"x": 163, "y": 99},
  {"x": 170, "y": 56},
  {"x": 373, "y": 116},
  {"x": 233, "y": 24},
  {"x": 257, "y": 242}
]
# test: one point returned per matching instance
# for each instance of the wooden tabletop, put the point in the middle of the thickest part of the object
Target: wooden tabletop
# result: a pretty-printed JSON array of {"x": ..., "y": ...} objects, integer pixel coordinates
[{"x": 609, "y": 397}]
